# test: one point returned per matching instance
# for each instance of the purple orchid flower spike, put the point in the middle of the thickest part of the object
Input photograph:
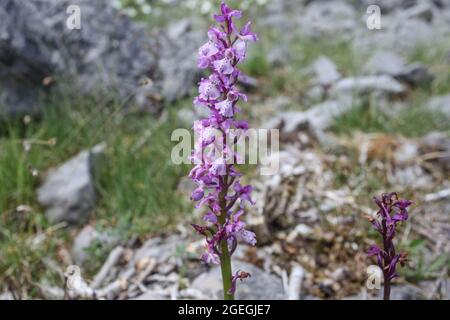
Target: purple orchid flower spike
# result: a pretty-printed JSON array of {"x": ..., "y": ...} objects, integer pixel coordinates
[
  {"x": 392, "y": 211},
  {"x": 218, "y": 187},
  {"x": 226, "y": 18}
]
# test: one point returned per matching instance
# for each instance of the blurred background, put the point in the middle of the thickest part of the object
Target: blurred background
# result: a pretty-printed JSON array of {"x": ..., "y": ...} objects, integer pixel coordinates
[{"x": 86, "y": 117}]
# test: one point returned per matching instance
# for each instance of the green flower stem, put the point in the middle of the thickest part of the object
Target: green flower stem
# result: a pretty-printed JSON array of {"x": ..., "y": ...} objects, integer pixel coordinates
[
  {"x": 225, "y": 265},
  {"x": 225, "y": 259},
  {"x": 387, "y": 288}
]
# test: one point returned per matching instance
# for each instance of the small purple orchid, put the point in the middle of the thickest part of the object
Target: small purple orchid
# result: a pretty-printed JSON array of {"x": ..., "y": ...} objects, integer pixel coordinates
[
  {"x": 218, "y": 187},
  {"x": 392, "y": 211}
]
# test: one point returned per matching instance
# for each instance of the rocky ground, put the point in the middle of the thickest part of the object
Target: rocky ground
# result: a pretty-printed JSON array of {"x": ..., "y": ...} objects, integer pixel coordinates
[{"x": 364, "y": 112}]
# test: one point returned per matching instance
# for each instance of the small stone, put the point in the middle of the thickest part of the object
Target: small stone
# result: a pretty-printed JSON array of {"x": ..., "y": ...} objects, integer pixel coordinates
[
  {"x": 68, "y": 192},
  {"x": 440, "y": 104},
  {"x": 6, "y": 296},
  {"x": 382, "y": 83},
  {"x": 415, "y": 74},
  {"x": 385, "y": 62},
  {"x": 160, "y": 249},
  {"x": 150, "y": 295},
  {"x": 300, "y": 230},
  {"x": 260, "y": 286},
  {"x": 413, "y": 177},
  {"x": 325, "y": 71},
  {"x": 389, "y": 63},
  {"x": 316, "y": 119},
  {"x": 87, "y": 237},
  {"x": 321, "y": 18},
  {"x": 321, "y": 116},
  {"x": 407, "y": 152},
  {"x": 436, "y": 141},
  {"x": 422, "y": 10}
]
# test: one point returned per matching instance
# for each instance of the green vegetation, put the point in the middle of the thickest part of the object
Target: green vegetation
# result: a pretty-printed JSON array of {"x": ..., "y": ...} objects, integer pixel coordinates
[
  {"x": 136, "y": 185},
  {"x": 414, "y": 121}
]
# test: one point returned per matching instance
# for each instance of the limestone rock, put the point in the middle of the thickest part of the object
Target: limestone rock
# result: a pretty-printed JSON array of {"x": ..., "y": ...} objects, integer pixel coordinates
[
  {"x": 68, "y": 192},
  {"x": 260, "y": 286}
]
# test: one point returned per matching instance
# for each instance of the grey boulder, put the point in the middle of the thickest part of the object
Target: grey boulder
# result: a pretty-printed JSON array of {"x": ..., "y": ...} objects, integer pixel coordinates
[
  {"x": 325, "y": 19},
  {"x": 325, "y": 71},
  {"x": 389, "y": 63},
  {"x": 260, "y": 286},
  {"x": 38, "y": 50},
  {"x": 359, "y": 85},
  {"x": 178, "y": 60},
  {"x": 68, "y": 192}
]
